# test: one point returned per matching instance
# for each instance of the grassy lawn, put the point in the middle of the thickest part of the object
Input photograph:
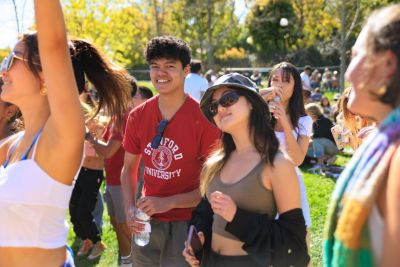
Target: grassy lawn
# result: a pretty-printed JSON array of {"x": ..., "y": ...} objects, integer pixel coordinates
[{"x": 319, "y": 190}]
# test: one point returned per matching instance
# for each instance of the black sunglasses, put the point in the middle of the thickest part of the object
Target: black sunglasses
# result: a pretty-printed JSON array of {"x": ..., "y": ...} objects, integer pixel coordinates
[
  {"x": 225, "y": 101},
  {"x": 160, "y": 131}
]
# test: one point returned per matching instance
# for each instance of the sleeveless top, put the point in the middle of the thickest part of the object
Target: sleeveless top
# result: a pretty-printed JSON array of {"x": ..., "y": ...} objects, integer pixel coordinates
[
  {"x": 248, "y": 193},
  {"x": 376, "y": 226},
  {"x": 33, "y": 205}
]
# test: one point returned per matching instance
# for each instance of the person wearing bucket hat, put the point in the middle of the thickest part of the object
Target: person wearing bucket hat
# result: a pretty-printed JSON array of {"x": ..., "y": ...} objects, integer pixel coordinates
[
  {"x": 232, "y": 79},
  {"x": 245, "y": 182}
]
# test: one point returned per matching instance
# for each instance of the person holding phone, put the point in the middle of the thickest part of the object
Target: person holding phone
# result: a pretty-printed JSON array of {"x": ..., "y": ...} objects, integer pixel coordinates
[
  {"x": 244, "y": 183},
  {"x": 194, "y": 244}
]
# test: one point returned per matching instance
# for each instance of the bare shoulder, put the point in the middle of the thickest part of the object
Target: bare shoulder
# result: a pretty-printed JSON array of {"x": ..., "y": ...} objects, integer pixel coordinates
[
  {"x": 283, "y": 164},
  {"x": 283, "y": 169}
]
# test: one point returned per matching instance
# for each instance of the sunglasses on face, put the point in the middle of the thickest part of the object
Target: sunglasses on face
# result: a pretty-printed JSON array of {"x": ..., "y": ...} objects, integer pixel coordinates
[
  {"x": 160, "y": 131},
  {"x": 225, "y": 101},
  {"x": 8, "y": 62}
]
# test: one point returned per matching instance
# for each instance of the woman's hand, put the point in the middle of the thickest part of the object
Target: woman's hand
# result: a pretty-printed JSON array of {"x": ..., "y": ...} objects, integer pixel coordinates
[
  {"x": 95, "y": 127},
  {"x": 189, "y": 254},
  {"x": 269, "y": 93},
  {"x": 223, "y": 205},
  {"x": 279, "y": 113}
]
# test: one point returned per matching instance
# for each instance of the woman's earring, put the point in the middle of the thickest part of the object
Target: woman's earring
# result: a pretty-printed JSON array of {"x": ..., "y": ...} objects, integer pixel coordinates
[
  {"x": 382, "y": 90},
  {"x": 43, "y": 91}
]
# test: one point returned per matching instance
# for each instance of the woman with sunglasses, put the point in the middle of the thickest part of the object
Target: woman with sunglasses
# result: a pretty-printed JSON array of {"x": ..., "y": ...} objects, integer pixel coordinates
[
  {"x": 244, "y": 184},
  {"x": 40, "y": 164},
  {"x": 293, "y": 126}
]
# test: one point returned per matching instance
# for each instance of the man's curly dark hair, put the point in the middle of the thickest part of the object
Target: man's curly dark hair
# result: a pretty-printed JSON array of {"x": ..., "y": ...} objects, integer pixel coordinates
[{"x": 168, "y": 47}]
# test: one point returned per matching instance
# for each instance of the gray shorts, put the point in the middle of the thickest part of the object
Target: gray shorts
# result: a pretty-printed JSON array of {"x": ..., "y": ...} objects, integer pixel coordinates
[
  {"x": 115, "y": 203},
  {"x": 167, "y": 241}
]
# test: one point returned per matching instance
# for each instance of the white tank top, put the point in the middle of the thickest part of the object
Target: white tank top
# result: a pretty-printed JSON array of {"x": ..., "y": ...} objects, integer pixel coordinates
[{"x": 33, "y": 206}]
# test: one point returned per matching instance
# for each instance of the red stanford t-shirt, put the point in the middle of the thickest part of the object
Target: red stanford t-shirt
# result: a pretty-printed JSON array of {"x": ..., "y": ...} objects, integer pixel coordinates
[
  {"x": 174, "y": 167},
  {"x": 114, "y": 164}
]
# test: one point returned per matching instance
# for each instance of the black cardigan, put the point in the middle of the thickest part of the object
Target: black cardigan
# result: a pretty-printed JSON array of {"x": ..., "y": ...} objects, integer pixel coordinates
[{"x": 269, "y": 242}]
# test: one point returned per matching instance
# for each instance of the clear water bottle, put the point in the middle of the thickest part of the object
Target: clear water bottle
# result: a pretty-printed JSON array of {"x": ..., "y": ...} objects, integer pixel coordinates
[
  {"x": 276, "y": 99},
  {"x": 143, "y": 238}
]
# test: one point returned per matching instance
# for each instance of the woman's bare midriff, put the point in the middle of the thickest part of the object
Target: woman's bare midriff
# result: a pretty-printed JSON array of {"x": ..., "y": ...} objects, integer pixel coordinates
[
  {"x": 226, "y": 246},
  {"x": 94, "y": 163},
  {"x": 32, "y": 257}
]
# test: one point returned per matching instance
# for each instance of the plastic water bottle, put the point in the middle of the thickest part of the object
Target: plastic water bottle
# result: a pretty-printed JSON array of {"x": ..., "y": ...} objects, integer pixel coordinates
[
  {"x": 143, "y": 238},
  {"x": 276, "y": 99}
]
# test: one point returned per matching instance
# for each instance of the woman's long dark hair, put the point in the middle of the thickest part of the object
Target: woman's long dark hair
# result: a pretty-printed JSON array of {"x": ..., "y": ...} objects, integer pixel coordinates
[
  {"x": 296, "y": 103},
  {"x": 261, "y": 131},
  {"x": 110, "y": 82}
]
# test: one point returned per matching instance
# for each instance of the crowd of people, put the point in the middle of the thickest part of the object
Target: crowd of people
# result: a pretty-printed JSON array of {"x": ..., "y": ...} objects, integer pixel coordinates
[{"x": 218, "y": 156}]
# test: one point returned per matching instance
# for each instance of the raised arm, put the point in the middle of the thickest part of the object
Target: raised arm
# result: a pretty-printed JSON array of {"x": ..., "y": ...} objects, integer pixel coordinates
[
  {"x": 297, "y": 147},
  {"x": 66, "y": 120}
]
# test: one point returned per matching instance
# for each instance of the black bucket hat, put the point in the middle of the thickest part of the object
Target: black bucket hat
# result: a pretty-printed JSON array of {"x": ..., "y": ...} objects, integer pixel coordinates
[{"x": 233, "y": 80}]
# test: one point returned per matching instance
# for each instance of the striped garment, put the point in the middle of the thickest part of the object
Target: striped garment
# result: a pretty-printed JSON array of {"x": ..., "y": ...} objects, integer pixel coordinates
[{"x": 346, "y": 234}]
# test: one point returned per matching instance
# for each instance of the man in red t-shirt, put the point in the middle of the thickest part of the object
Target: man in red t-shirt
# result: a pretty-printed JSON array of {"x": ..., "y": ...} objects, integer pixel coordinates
[{"x": 173, "y": 138}]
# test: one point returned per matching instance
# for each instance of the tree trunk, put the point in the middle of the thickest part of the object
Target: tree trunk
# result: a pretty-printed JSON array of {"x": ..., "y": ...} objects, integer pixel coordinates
[
  {"x": 16, "y": 16},
  {"x": 210, "y": 45},
  {"x": 343, "y": 44},
  {"x": 156, "y": 17}
]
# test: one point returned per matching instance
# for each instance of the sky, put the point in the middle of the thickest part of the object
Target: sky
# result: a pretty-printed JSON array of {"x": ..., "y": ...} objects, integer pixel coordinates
[{"x": 8, "y": 25}]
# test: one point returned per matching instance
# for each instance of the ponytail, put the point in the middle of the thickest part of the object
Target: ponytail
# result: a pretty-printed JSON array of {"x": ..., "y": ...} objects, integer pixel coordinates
[{"x": 110, "y": 82}]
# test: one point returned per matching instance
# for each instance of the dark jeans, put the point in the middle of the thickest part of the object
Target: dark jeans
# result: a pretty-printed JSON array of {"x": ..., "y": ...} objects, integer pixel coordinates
[
  {"x": 83, "y": 201},
  {"x": 215, "y": 260}
]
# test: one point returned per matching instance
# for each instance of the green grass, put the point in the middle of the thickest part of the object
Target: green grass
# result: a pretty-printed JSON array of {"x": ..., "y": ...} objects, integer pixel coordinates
[
  {"x": 319, "y": 189},
  {"x": 329, "y": 95},
  {"x": 110, "y": 256}
]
